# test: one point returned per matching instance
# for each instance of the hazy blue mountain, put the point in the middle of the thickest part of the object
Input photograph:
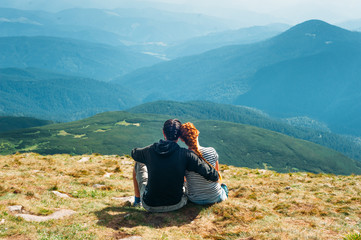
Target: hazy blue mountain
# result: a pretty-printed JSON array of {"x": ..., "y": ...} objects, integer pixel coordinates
[
  {"x": 233, "y": 17},
  {"x": 47, "y": 95},
  {"x": 144, "y": 29},
  {"x": 302, "y": 128},
  {"x": 36, "y": 18},
  {"x": 15, "y": 123},
  {"x": 15, "y": 22},
  {"x": 310, "y": 70},
  {"x": 220, "y": 39},
  {"x": 142, "y": 25},
  {"x": 221, "y": 74},
  {"x": 70, "y": 56},
  {"x": 324, "y": 85}
]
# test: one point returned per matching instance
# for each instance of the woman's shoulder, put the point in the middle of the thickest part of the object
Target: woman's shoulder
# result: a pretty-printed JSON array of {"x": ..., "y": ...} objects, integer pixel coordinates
[{"x": 209, "y": 150}]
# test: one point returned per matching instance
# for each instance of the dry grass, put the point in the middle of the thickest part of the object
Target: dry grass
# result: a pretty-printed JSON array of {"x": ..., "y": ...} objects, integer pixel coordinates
[{"x": 262, "y": 205}]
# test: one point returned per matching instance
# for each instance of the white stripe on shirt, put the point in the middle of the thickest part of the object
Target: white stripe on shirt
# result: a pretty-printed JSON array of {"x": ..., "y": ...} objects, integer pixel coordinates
[{"x": 198, "y": 187}]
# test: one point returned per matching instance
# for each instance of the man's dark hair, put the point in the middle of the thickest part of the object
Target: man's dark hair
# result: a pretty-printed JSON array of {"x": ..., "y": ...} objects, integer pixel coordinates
[{"x": 171, "y": 129}]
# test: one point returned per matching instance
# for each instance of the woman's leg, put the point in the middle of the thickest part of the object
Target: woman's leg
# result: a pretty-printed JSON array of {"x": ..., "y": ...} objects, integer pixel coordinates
[{"x": 135, "y": 184}]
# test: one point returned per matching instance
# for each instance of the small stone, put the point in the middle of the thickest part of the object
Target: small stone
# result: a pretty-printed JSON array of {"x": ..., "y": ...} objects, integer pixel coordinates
[
  {"x": 347, "y": 218},
  {"x": 84, "y": 159},
  {"x": 124, "y": 199},
  {"x": 2, "y": 221},
  {"x": 15, "y": 208},
  {"x": 57, "y": 215},
  {"x": 125, "y": 162},
  {"x": 61, "y": 195},
  {"x": 132, "y": 238},
  {"x": 98, "y": 186},
  {"x": 107, "y": 175}
]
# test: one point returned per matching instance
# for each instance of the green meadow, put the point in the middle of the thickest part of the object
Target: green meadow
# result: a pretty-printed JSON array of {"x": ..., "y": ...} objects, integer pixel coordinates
[{"x": 116, "y": 133}]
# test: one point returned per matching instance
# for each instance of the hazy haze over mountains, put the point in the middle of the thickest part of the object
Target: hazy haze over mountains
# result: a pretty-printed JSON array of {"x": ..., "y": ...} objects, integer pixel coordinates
[{"x": 258, "y": 12}]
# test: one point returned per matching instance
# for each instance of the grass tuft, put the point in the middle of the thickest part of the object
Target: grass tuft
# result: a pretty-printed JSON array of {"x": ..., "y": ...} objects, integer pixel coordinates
[{"x": 353, "y": 236}]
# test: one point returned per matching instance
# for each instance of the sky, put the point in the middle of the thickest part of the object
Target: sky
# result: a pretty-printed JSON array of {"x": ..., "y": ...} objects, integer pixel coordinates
[
  {"x": 294, "y": 11},
  {"x": 289, "y": 11}
]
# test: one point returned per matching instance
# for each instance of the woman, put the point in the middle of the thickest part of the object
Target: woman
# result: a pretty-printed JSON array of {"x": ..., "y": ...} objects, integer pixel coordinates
[{"x": 201, "y": 191}]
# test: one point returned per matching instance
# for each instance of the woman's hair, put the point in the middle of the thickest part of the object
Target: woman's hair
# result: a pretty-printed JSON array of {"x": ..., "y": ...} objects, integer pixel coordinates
[
  {"x": 189, "y": 134},
  {"x": 171, "y": 129}
]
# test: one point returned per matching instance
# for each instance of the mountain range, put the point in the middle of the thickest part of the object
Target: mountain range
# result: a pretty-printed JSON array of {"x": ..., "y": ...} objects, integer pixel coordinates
[
  {"x": 309, "y": 70},
  {"x": 147, "y": 30},
  {"x": 215, "y": 40},
  {"x": 92, "y": 60},
  {"x": 324, "y": 84},
  {"x": 164, "y": 34}
]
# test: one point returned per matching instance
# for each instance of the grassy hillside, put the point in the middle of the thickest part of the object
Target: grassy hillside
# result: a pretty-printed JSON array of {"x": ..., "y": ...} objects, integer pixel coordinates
[
  {"x": 263, "y": 204},
  {"x": 237, "y": 144},
  {"x": 12, "y": 123},
  {"x": 239, "y": 114}
]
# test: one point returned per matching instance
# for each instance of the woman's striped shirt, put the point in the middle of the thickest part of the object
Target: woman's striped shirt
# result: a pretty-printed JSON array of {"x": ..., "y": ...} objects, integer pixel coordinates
[{"x": 198, "y": 187}]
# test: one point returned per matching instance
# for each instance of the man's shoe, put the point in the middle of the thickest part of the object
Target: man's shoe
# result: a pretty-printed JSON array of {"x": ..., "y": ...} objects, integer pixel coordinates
[{"x": 137, "y": 204}]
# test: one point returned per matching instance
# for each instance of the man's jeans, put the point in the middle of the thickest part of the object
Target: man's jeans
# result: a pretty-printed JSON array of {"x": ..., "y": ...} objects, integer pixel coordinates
[{"x": 142, "y": 179}]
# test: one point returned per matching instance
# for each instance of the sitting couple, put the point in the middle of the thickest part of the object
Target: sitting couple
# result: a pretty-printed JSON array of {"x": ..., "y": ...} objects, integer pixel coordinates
[{"x": 160, "y": 169}]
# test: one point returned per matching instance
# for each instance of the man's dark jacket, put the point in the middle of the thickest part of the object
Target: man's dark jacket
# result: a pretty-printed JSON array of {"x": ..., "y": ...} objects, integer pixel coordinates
[{"x": 166, "y": 162}]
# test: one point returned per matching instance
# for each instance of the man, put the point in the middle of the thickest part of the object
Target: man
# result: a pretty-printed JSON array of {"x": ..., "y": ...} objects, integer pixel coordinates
[{"x": 160, "y": 169}]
